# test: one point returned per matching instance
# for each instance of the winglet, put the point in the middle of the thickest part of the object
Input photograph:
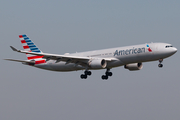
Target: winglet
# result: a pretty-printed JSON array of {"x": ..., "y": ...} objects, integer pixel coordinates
[{"x": 14, "y": 49}]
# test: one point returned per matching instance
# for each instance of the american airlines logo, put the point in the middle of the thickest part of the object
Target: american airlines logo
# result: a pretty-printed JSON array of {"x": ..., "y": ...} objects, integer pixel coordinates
[
  {"x": 129, "y": 51},
  {"x": 149, "y": 49}
]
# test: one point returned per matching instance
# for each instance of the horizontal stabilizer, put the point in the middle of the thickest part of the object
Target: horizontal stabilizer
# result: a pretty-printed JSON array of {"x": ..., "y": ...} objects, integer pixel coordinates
[{"x": 23, "y": 61}]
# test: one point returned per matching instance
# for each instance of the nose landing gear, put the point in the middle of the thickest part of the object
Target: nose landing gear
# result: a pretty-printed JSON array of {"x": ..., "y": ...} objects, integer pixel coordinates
[
  {"x": 86, "y": 73},
  {"x": 107, "y": 74},
  {"x": 160, "y": 65}
]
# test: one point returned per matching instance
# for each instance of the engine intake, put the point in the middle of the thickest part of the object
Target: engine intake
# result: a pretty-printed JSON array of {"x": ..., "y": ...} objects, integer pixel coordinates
[
  {"x": 133, "y": 66},
  {"x": 98, "y": 64}
]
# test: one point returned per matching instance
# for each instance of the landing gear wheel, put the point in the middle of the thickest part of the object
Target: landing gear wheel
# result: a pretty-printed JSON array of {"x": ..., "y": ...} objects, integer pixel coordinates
[
  {"x": 83, "y": 76},
  {"x": 104, "y": 77},
  {"x": 87, "y": 73},
  {"x": 109, "y": 74},
  {"x": 160, "y": 65}
]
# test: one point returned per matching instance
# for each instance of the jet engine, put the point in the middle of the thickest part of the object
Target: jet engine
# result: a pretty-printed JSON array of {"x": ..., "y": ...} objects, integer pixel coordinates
[
  {"x": 98, "y": 64},
  {"x": 133, "y": 66}
]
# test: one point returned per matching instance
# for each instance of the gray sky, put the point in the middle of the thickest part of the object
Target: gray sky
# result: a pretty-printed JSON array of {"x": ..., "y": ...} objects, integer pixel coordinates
[{"x": 61, "y": 26}]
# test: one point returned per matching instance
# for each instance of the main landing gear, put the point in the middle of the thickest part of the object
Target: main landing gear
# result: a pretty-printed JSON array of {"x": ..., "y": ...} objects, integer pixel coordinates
[
  {"x": 160, "y": 65},
  {"x": 86, "y": 73},
  {"x": 107, "y": 74}
]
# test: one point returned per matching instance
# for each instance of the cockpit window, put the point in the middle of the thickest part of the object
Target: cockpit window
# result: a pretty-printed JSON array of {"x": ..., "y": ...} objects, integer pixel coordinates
[{"x": 169, "y": 46}]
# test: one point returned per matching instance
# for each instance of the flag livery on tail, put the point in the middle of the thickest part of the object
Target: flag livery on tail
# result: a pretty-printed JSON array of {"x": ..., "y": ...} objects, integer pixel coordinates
[{"x": 29, "y": 46}]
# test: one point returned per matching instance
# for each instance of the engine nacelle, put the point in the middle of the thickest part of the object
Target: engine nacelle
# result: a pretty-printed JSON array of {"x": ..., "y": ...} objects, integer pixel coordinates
[
  {"x": 98, "y": 64},
  {"x": 133, "y": 66}
]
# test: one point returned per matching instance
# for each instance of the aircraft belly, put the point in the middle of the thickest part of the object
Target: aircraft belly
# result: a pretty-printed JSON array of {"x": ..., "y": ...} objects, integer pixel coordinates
[
  {"x": 43, "y": 66},
  {"x": 115, "y": 64},
  {"x": 61, "y": 66}
]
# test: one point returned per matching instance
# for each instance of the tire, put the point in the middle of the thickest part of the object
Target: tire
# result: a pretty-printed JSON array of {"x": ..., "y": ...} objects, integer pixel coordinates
[
  {"x": 160, "y": 65},
  {"x": 85, "y": 76},
  {"x": 82, "y": 76},
  {"x": 108, "y": 73},
  {"x": 85, "y": 72},
  {"x": 89, "y": 73},
  {"x": 104, "y": 77}
]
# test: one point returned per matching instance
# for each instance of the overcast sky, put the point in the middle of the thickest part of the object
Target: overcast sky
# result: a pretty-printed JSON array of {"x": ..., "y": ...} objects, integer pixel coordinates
[{"x": 67, "y": 26}]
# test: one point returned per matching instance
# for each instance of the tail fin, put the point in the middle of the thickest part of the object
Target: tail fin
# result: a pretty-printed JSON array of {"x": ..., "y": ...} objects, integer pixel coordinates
[{"x": 29, "y": 45}]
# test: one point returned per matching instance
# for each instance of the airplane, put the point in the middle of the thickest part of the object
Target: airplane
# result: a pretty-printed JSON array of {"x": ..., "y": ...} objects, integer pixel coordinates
[{"x": 131, "y": 57}]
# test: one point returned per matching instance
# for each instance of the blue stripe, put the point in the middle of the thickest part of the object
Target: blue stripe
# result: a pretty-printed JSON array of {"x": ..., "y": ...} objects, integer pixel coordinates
[
  {"x": 34, "y": 49},
  {"x": 28, "y": 41},
  {"x": 38, "y": 51},
  {"x": 26, "y": 38},
  {"x": 30, "y": 44},
  {"x": 24, "y": 35}
]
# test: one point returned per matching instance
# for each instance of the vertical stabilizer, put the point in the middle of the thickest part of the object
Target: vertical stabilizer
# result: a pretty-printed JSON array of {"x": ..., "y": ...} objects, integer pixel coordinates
[{"x": 29, "y": 45}]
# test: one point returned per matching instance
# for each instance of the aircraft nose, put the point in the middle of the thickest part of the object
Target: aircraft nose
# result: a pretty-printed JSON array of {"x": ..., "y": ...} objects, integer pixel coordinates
[{"x": 175, "y": 50}]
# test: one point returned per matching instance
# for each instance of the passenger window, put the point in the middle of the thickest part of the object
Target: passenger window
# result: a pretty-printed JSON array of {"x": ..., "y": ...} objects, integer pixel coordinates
[{"x": 169, "y": 46}]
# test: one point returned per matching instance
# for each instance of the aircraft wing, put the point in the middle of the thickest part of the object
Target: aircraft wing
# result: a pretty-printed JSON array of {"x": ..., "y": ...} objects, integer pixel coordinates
[{"x": 65, "y": 58}]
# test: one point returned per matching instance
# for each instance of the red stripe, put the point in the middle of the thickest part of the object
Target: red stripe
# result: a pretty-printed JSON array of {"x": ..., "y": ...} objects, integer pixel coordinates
[
  {"x": 23, "y": 41},
  {"x": 149, "y": 50},
  {"x": 20, "y": 36},
  {"x": 40, "y": 61},
  {"x": 26, "y": 47},
  {"x": 34, "y": 57}
]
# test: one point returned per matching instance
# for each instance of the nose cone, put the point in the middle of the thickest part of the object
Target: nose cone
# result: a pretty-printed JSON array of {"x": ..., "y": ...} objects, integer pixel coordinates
[{"x": 174, "y": 50}]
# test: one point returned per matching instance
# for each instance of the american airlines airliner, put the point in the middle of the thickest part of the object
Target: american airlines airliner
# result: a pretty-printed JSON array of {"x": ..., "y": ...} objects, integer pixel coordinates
[{"x": 131, "y": 57}]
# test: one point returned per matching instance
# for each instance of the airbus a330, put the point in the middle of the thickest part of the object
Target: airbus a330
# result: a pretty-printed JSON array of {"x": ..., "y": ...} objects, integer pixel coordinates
[{"x": 131, "y": 57}]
